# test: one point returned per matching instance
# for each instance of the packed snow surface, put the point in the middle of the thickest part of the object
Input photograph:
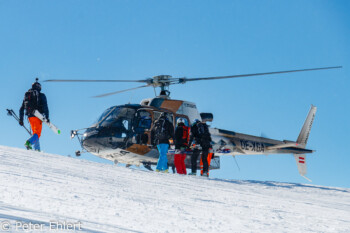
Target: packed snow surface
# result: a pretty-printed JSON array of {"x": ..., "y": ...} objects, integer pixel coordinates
[{"x": 40, "y": 191}]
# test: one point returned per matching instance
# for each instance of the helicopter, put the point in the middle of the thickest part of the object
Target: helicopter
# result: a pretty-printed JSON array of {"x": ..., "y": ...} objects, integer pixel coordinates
[{"x": 123, "y": 133}]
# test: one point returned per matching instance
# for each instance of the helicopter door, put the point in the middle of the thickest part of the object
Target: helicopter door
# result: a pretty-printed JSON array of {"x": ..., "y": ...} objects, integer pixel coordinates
[{"x": 143, "y": 127}]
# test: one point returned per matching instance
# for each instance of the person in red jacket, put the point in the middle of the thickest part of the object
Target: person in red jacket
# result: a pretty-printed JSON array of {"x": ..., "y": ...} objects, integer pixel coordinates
[{"x": 182, "y": 134}]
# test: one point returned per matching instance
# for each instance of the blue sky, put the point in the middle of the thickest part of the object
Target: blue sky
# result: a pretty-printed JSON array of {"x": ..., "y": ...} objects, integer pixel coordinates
[{"x": 141, "y": 39}]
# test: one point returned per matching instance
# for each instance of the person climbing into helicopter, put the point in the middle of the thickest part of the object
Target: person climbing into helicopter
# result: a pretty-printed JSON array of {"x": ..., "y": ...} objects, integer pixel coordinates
[
  {"x": 200, "y": 136},
  {"x": 182, "y": 134},
  {"x": 34, "y": 100},
  {"x": 162, "y": 131}
]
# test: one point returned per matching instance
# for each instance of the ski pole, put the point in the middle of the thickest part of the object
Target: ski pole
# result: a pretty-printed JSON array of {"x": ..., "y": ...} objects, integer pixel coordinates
[{"x": 10, "y": 112}]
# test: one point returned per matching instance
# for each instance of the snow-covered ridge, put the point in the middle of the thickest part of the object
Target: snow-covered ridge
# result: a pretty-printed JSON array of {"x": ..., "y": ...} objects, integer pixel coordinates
[{"x": 41, "y": 189}]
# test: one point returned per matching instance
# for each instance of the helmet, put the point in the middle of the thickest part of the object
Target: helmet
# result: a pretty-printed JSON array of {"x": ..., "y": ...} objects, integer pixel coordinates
[
  {"x": 36, "y": 85},
  {"x": 195, "y": 122},
  {"x": 180, "y": 120}
]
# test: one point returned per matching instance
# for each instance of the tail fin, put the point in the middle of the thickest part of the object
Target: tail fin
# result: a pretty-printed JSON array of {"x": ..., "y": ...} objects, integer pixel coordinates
[
  {"x": 302, "y": 141},
  {"x": 301, "y": 163},
  {"x": 305, "y": 131}
]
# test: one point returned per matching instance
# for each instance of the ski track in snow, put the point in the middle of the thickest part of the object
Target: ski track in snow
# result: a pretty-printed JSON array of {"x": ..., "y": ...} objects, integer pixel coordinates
[{"x": 39, "y": 187}]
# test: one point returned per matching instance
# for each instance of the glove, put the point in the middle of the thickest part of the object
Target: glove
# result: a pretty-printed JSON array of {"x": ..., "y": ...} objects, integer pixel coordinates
[
  {"x": 21, "y": 122},
  {"x": 48, "y": 120}
]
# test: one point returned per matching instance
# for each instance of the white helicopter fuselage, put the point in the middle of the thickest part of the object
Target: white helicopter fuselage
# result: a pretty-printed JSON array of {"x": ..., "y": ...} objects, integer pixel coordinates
[{"x": 133, "y": 144}]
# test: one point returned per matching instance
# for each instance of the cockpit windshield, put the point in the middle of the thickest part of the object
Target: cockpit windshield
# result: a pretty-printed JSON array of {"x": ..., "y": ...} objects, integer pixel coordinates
[
  {"x": 116, "y": 117},
  {"x": 103, "y": 116}
]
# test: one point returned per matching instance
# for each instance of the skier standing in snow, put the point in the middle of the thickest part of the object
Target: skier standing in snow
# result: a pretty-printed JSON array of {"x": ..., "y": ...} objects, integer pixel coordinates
[
  {"x": 163, "y": 130},
  {"x": 181, "y": 144},
  {"x": 200, "y": 135},
  {"x": 34, "y": 100},
  {"x": 194, "y": 144}
]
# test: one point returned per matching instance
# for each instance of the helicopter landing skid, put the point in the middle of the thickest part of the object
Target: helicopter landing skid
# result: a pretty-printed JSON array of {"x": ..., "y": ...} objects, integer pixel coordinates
[
  {"x": 78, "y": 152},
  {"x": 148, "y": 166}
]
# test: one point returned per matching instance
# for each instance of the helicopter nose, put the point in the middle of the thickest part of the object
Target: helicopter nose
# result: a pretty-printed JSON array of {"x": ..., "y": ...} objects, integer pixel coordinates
[{"x": 90, "y": 141}]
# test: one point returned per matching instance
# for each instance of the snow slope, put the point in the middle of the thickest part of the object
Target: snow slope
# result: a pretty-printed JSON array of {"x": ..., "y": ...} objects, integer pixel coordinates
[{"x": 38, "y": 188}]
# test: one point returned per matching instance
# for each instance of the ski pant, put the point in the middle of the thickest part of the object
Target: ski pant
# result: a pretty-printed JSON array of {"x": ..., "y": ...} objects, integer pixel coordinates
[
  {"x": 163, "y": 160},
  {"x": 205, "y": 152},
  {"x": 194, "y": 158},
  {"x": 36, "y": 125},
  {"x": 210, "y": 155},
  {"x": 179, "y": 161}
]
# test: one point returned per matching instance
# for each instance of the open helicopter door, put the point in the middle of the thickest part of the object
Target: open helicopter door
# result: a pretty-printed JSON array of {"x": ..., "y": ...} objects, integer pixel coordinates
[
  {"x": 143, "y": 125},
  {"x": 142, "y": 132}
]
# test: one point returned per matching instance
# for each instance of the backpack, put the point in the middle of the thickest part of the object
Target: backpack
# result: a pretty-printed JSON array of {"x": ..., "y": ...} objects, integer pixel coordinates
[
  {"x": 203, "y": 133},
  {"x": 31, "y": 101},
  {"x": 161, "y": 129}
]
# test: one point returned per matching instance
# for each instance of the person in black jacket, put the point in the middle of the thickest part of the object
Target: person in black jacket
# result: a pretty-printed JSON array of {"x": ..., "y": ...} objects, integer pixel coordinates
[
  {"x": 194, "y": 144},
  {"x": 162, "y": 131},
  {"x": 34, "y": 100},
  {"x": 200, "y": 135},
  {"x": 205, "y": 142}
]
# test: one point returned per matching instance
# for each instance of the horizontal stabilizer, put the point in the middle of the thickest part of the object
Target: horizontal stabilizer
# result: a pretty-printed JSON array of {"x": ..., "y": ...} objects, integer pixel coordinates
[{"x": 284, "y": 145}]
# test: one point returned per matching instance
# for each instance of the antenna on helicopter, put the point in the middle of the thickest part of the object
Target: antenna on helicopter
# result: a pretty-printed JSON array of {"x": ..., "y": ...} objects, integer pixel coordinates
[{"x": 164, "y": 81}]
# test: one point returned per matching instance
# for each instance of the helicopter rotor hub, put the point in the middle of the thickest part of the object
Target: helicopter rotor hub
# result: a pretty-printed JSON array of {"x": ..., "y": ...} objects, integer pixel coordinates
[{"x": 161, "y": 80}]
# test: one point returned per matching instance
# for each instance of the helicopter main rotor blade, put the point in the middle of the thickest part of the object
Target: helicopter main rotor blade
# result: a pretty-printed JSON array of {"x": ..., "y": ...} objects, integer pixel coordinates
[
  {"x": 256, "y": 74},
  {"x": 117, "y": 92},
  {"x": 87, "y": 80}
]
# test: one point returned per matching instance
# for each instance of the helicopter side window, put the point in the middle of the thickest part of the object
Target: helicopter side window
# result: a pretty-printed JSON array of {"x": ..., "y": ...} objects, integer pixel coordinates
[{"x": 169, "y": 116}]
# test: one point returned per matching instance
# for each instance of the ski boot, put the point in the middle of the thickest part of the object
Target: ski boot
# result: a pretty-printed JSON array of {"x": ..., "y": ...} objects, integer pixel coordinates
[
  {"x": 28, "y": 145},
  {"x": 192, "y": 174}
]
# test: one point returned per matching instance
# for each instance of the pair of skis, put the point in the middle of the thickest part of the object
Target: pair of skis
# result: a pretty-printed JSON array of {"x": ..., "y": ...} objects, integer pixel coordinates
[
  {"x": 48, "y": 123},
  {"x": 10, "y": 112}
]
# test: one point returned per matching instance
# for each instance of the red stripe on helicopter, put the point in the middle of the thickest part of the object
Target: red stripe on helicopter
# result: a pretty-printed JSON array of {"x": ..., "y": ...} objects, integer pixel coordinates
[{"x": 301, "y": 160}]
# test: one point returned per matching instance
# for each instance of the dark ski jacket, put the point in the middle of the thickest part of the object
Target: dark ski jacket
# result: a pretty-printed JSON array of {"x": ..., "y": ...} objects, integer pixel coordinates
[
  {"x": 181, "y": 136},
  {"x": 194, "y": 137},
  {"x": 42, "y": 108},
  {"x": 200, "y": 134},
  {"x": 162, "y": 131}
]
